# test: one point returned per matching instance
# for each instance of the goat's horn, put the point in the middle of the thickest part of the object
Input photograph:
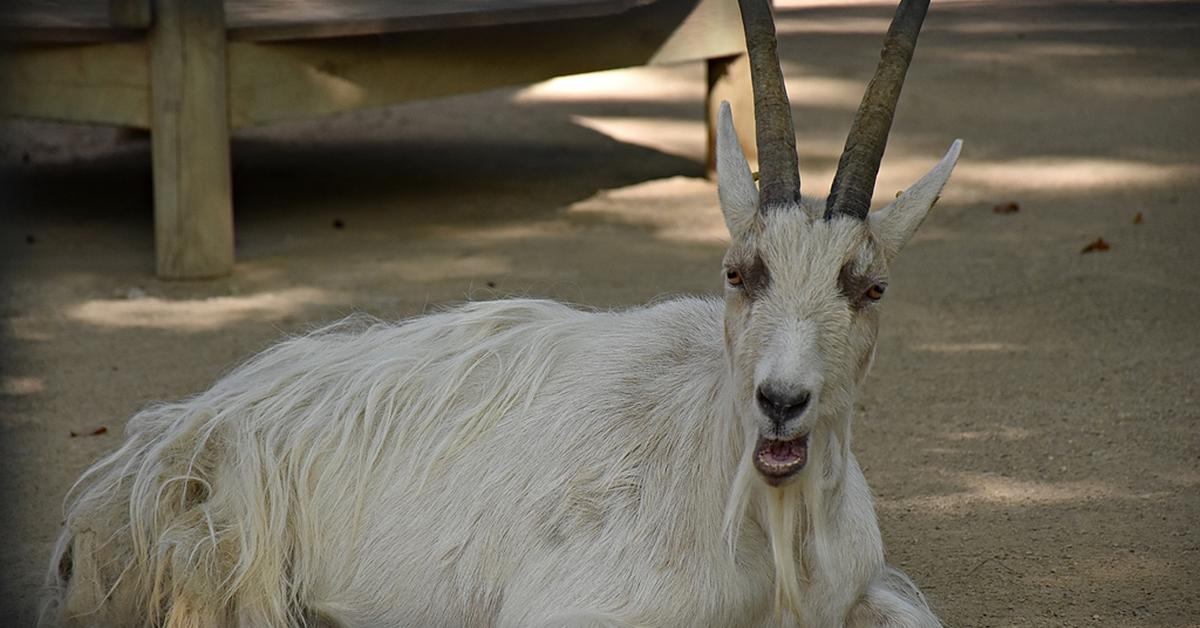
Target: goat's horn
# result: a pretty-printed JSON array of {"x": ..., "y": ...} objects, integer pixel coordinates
[
  {"x": 779, "y": 172},
  {"x": 854, "y": 182}
]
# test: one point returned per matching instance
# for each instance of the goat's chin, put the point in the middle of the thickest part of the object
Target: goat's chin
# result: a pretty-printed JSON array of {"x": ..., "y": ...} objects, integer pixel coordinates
[{"x": 780, "y": 461}]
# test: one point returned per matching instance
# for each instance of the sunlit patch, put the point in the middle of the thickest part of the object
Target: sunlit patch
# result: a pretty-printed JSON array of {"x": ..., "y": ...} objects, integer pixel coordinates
[
  {"x": 1069, "y": 174},
  {"x": 967, "y": 347},
  {"x": 1020, "y": 57},
  {"x": 823, "y": 91},
  {"x": 1119, "y": 566},
  {"x": 21, "y": 328},
  {"x": 1030, "y": 27},
  {"x": 1004, "y": 432},
  {"x": 1142, "y": 87},
  {"x": 460, "y": 267},
  {"x": 681, "y": 209},
  {"x": 653, "y": 83},
  {"x": 810, "y": 24},
  {"x": 196, "y": 314},
  {"x": 21, "y": 385},
  {"x": 1004, "y": 491},
  {"x": 522, "y": 231},
  {"x": 685, "y": 138},
  {"x": 334, "y": 92},
  {"x": 341, "y": 91}
]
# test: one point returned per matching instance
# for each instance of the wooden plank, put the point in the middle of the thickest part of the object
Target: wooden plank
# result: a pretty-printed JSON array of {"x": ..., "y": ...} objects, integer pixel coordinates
[
  {"x": 193, "y": 212},
  {"x": 61, "y": 21},
  {"x": 107, "y": 82},
  {"x": 712, "y": 28},
  {"x": 295, "y": 80},
  {"x": 129, "y": 13},
  {"x": 729, "y": 80},
  {"x": 280, "y": 20},
  {"x": 275, "y": 20}
]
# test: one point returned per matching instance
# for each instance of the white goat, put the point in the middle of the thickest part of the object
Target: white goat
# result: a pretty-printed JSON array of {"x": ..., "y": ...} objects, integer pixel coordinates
[{"x": 523, "y": 463}]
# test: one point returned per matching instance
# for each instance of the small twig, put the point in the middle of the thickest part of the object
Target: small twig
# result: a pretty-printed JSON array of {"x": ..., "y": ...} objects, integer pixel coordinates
[
  {"x": 981, "y": 564},
  {"x": 1008, "y": 569}
]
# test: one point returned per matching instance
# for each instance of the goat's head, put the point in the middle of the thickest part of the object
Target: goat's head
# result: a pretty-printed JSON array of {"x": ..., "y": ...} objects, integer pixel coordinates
[{"x": 805, "y": 280}]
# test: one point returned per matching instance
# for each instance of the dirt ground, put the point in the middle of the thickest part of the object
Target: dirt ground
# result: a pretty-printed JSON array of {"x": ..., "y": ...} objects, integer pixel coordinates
[{"x": 1031, "y": 427}]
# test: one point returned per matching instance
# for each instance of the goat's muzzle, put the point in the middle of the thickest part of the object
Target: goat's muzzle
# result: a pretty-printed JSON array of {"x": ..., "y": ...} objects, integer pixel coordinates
[{"x": 779, "y": 460}]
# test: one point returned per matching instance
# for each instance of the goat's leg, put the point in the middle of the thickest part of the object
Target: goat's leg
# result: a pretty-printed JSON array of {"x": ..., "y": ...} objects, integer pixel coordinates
[
  {"x": 892, "y": 601},
  {"x": 87, "y": 586},
  {"x": 187, "y": 613}
]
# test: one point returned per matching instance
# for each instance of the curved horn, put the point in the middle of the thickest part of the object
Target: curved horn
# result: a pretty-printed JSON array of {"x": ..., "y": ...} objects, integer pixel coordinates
[
  {"x": 779, "y": 171},
  {"x": 854, "y": 182}
]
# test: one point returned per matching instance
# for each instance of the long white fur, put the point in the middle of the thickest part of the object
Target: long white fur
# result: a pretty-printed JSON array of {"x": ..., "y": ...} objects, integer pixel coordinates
[{"x": 508, "y": 463}]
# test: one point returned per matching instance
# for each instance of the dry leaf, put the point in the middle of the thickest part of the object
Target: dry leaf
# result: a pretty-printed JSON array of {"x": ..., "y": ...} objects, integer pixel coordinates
[
  {"x": 1137, "y": 218},
  {"x": 1007, "y": 208},
  {"x": 1098, "y": 245},
  {"x": 96, "y": 432}
]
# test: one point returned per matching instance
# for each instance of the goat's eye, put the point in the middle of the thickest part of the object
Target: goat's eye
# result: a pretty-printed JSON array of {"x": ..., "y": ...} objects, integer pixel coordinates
[
  {"x": 875, "y": 292},
  {"x": 734, "y": 277}
]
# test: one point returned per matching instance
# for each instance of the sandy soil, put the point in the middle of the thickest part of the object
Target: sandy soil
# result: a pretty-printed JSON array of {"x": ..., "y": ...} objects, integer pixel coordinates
[{"x": 1031, "y": 426}]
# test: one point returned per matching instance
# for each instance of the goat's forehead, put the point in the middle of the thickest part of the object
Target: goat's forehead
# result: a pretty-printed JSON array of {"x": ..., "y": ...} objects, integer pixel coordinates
[{"x": 797, "y": 242}]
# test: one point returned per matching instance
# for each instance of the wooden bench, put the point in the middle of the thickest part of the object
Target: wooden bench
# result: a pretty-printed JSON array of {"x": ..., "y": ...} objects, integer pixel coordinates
[{"x": 191, "y": 70}]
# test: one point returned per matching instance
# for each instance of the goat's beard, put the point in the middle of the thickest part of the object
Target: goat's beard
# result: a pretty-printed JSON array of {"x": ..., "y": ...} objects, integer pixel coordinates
[{"x": 787, "y": 513}]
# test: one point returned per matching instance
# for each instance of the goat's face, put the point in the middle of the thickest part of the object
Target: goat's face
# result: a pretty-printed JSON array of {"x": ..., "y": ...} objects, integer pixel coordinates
[
  {"x": 802, "y": 309},
  {"x": 803, "y": 295}
]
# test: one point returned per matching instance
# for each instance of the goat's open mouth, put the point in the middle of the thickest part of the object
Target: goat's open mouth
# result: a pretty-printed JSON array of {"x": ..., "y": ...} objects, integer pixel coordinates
[{"x": 778, "y": 460}]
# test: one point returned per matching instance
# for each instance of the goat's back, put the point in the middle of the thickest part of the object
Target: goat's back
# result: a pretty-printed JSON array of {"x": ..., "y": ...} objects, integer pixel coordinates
[{"x": 405, "y": 473}]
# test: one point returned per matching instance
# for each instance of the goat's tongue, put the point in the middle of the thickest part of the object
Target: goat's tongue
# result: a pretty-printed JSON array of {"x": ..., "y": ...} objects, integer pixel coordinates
[
  {"x": 779, "y": 459},
  {"x": 784, "y": 452}
]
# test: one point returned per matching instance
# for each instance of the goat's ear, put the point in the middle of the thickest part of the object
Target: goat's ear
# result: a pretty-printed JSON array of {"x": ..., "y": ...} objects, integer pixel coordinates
[
  {"x": 895, "y": 224},
  {"x": 735, "y": 184}
]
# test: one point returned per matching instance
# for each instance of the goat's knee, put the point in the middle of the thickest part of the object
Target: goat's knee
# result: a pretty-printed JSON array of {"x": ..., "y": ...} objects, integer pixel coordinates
[
  {"x": 82, "y": 585},
  {"x": 892, "y": 601}
]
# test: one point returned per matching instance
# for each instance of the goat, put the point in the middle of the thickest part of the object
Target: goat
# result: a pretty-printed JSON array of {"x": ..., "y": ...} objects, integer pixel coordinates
[{"x": 525, "y": 463}]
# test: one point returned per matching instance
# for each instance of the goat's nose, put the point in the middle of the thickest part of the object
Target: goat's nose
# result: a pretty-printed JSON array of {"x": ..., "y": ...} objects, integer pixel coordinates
[{"x": 780, "y": 406}]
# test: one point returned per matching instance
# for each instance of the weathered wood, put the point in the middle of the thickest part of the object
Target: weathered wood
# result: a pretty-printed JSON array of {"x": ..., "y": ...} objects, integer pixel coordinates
[
  {"x": 297, "y": 80},
  {"x": 273, "y": 81},
  {"x": 193, "y": 213},
  {"x": 276, "y": 20},
  {"x": 129, "y": 13},
  {"x": 60, "y": 21},
  {"x": 729, "y": 80},
  {"x": 279, "y": 20},
  {"x": 107, "y": 83},
  {"x": 706, "y": 29},
  {"x": 188, "y": 98}
]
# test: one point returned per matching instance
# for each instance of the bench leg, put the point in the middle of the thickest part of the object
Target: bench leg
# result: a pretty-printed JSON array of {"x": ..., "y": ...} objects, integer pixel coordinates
[
  {"x": 729, "y": 79},
  {"x": 193, "y": 206}
]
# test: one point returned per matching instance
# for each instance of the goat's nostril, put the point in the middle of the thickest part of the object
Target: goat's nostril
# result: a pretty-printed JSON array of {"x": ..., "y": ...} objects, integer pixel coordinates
[
  {"x": 799, "y": 402},
  {"x": 780, "y": 406}
]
